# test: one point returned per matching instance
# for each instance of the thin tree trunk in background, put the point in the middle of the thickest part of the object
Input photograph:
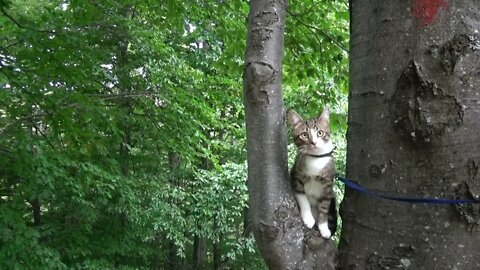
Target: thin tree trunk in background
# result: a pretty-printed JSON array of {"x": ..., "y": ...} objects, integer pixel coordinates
[
  {"x": 283, "y": 240},
  {"x": 199, "y": 252},
  {"x": 35, "y": 202},
  {"x": 217, "y": 248},
  {"x": 245, "y": 234},
  {"x": 37, "y": 214},
  {"x": 182, "y": 260},
  {"x": 173, "y": 261},
  {"x": 126, "y": 88},
  {"x": 413, "y": 131},
  {"x": 124, "y": 148}
]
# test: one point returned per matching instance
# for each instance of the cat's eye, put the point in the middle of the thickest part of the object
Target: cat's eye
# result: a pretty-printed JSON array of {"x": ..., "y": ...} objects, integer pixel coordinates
[
  {"x": 321, "y": 133},
  {"x": 304, "y": 135}
]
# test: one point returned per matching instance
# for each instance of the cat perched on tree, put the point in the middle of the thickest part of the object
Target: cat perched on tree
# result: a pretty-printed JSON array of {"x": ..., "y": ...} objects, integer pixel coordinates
[{"x": 313, "y": 171}]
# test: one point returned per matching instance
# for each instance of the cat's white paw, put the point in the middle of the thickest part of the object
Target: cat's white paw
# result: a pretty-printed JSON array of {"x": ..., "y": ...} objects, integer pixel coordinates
[
  {"x": 308, "y": 220},
  {"x": 324, "y": 231}
]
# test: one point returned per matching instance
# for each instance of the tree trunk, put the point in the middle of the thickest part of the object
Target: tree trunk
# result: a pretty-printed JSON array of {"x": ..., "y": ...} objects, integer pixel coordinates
[
  {"x": 171, "y": 261},
  {"x": 199, "y": 252},
  {"x": 283, "y": 240},
  {"x": 246, "y": 233},
  {"x": 217, "y": 247},
  {"x": 36, "y": 210},
  {"x": 413, "y": 123}
]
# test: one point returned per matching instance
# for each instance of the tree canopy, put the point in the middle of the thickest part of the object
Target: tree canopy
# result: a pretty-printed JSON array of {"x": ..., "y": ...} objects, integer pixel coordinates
[{"x": 122, "y": 135}]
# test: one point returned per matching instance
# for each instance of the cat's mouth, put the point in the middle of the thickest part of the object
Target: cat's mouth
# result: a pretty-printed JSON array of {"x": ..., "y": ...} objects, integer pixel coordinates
[
  {"x": 316, "y": 146},
  {"x": 318, "y": 149}
]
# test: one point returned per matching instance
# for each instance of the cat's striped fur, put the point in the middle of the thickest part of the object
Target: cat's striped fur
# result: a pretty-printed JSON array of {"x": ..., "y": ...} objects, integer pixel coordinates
[{"x": 313, "y": 171}]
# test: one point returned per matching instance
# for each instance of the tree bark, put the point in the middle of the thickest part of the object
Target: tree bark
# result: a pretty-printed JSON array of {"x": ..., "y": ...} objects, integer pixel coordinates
[
  {"x": 199, "y": 252},
  {"x": 217, "y": 250},
  {"x": 246, "y": 233},
  {"x": 172, "y": 260},
  {"x": 413, "y": 123},
  {"x": 283, "y": 240},
  {"x": 36, "y": 210}
]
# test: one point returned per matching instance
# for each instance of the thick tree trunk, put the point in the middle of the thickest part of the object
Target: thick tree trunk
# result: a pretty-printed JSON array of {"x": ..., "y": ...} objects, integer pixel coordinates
[
  {"x": 413, "y": 131},
  {"x": 283, "y": 240}
]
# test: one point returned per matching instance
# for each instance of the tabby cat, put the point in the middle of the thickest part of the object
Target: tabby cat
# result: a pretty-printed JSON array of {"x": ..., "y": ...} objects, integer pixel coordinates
[{"x": 313, "y": 171}]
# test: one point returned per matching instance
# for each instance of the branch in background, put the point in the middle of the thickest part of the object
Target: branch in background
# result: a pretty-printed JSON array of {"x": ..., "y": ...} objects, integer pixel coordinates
[
  {"x": 29, "y": 118},
  {"x": 4, "y": 12},
  {"x": 325, "y": 33},
  {"x": 11, "y": 45},
  {"x": 39, "y": 130},
  {"x": 124, "y": 95},
  {"x": 11, "y": 18},
  {"x": 6, "y": 151},
  {"x": 308, "y": 11}
]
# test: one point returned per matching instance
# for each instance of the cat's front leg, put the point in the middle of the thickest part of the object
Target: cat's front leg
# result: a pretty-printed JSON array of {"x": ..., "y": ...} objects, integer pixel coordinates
[
  {"x": 305, "y": 210},
  {"x": 323, "y": 207},
  {"x": 324, "y": 230}
]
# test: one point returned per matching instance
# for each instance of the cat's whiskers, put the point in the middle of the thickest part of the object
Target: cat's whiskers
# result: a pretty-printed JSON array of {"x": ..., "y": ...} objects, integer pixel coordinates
[{"x": 302, "y": 149}]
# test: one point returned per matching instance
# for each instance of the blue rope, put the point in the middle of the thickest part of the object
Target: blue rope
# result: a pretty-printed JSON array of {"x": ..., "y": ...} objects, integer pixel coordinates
[{"x": 355, "y": 186}]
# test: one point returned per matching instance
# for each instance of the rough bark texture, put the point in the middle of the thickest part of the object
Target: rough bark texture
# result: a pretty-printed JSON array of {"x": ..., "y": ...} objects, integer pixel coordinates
[
  {"x": 413, "y": 131},
  {"x": 283, "y": 240}
]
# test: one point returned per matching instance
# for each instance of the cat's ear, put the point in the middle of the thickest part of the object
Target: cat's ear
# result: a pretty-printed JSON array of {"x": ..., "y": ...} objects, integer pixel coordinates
[
  {"x": 325, "y": 114},
  {"x": 294, "y": 118}
]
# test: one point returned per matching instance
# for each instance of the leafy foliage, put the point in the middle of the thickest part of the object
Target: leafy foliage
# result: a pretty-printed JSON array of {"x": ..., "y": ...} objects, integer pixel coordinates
[{"x": 121, "y": 127}]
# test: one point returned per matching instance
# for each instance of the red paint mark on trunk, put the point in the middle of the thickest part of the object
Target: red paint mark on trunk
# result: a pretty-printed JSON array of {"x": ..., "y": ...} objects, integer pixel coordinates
[{"x": 426, "y": 11}]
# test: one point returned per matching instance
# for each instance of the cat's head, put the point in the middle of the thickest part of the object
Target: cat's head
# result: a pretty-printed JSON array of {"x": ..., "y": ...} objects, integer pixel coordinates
[{"x": 311, "y": 136}]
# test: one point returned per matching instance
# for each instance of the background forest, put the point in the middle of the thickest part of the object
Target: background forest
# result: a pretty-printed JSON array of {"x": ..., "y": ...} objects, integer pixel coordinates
[{"x": 122, "y": 134}]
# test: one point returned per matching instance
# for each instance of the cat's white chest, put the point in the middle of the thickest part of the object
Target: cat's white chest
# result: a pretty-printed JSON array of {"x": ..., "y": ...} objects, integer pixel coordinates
[
  {"x": 313, "y": 190},
  {"x": 313, "y": 166}
]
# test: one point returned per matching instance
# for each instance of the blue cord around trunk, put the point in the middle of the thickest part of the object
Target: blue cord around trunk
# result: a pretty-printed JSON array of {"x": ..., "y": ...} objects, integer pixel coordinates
[{"x": 357, "y": 187}]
